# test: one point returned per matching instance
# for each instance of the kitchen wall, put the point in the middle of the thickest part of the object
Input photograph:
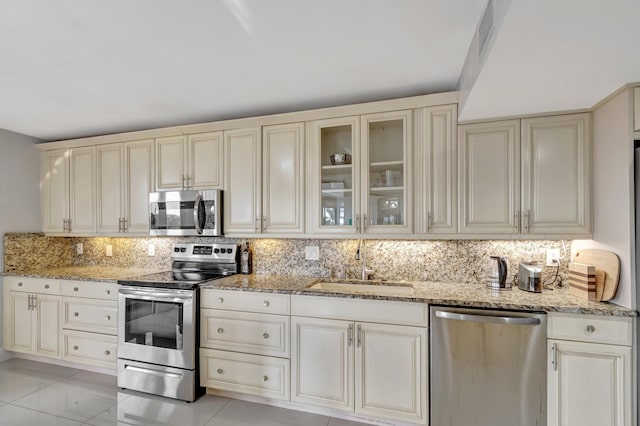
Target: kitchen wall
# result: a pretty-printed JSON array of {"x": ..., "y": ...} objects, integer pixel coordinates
[
  {"x": 19, "y": 191},
  {"x": 441, "y": 261}
]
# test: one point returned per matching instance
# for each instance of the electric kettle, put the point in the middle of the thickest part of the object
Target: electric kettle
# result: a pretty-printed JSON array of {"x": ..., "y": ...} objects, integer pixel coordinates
[{"x": 497, "y": 273}]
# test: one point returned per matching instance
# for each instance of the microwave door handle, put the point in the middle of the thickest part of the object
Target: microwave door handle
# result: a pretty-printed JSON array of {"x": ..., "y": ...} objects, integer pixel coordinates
[{"x": 196, "y": 213}]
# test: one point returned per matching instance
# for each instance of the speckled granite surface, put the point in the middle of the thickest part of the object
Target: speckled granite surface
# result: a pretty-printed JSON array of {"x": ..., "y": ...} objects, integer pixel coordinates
[
  {"x": 465, "y": 294},
  {"x": 83, "y": 273}
]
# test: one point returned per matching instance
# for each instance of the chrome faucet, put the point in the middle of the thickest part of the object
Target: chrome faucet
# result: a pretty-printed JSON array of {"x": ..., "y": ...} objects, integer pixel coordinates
[{"x": 361, "y": 254}]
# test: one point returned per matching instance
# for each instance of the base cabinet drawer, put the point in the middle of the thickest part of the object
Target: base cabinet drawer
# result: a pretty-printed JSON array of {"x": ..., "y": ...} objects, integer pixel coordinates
[
  {"x": 253, "y": 374},
  {"x": 90, "y": 315},
  {"x": 89, "y": 348},
  {"x": 590, "y": 328},
  {"x": 32, "y": 285},
  {"x": 246, "y": 301},
  {"x": 90, "y": 289}
]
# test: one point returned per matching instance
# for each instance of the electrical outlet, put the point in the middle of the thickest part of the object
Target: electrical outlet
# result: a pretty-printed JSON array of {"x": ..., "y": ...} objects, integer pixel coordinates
[
  {"x": 553, "y": 256},
  {"x": 312, "y": 253},
  {"x": 109, "y": 250},
  {"x": 151, "y": 249},
  {"x": 79, "y": 248}
]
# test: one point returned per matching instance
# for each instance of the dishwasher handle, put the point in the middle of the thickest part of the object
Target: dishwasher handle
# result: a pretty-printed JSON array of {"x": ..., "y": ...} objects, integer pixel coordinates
[{"x": 488, "y": 318}]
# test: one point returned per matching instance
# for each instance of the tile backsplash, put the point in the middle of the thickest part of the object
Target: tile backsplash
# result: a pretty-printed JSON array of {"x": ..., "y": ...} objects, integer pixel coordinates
[{"x": 441, "y": 261}]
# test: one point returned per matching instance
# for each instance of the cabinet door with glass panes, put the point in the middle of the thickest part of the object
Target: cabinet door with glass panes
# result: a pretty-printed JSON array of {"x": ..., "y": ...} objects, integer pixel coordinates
[
  {"x": 334, "y": 175},
  {"x": 386, "y": 178}
]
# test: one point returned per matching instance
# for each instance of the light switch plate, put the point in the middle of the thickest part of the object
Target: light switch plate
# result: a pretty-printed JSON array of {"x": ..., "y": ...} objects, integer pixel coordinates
[
  {"x": 553, "y": 254},
  {"x": 312, "y": 253},
  {"x": 109, "y": 250},
  {"x": 79, "y": 248},
  {"x": 151, "y": 249}
]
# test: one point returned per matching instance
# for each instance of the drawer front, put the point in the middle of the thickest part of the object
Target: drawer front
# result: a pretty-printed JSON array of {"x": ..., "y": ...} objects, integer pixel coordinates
[
  {"x": 257, "y": 375},
  {"x": 98, "y": 316},
  {"x": 32, "y": 285},
  {"x": 89, "y": 348},
  {"x": 380, "y": 311},
  {"x": 91, "y": 289},
  {"x": 259, "y": 334},
  {"x": 590, "y": 328},
  {"x": 265, "y": 303}
]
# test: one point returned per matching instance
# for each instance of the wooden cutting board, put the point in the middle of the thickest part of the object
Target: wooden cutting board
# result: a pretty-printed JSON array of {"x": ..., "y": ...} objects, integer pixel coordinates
[{"x": 604, "y": 261}]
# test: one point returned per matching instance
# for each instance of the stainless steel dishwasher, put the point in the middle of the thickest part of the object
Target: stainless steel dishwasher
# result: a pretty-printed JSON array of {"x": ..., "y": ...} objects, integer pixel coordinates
[{"x": 488, "y": 368}]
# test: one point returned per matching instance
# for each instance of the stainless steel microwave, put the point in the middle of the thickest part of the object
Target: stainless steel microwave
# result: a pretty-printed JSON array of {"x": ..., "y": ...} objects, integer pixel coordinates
[{"x": 185, "y": 213}]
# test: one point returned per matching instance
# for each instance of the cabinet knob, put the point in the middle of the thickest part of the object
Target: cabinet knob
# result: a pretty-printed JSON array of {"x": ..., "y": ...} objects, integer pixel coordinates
[
  {"x": 108, "y": 317},
  {"x": 220, "y": 330},
  {"x": 19, "y": 284},
  {"x": 219, "y": 371},
  {"x": 265, "y": 378},
  {"x": 75, "y": 348},
  {"x": 107, "y": 352},
  {"x": 265, "y": 335},
  {"x": 107, "y": 292},
  {"x": 75, "y": 289},
  {"x": 265, "y": 303},
  {"x": 590, "y": 329},
  {"x": 220, "y": 300},
  {"x": 46, "y": 286},
  {"x": 75, "y": 314}
]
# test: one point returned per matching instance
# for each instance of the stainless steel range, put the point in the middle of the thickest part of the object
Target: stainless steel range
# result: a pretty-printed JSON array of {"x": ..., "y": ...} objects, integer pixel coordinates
[{"x": 158, "y": 328}]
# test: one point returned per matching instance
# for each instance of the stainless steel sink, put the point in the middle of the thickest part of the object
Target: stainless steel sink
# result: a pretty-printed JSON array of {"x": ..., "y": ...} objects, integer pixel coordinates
[{"x": 369, "y": 288}]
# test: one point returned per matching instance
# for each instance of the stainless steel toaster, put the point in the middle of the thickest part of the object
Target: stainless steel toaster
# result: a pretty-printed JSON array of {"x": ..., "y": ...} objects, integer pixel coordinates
[{"x": 529, "y": 277}]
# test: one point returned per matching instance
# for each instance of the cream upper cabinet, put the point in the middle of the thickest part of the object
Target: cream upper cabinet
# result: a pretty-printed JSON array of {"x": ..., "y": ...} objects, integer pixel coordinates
[
  {"x": 530, "y": 176},
  {"x": 55, "y": 190},
  {"x": 636, "y": 109},
  {"x": 489, "y": 172},
  {"x": 556, "y": 174},
  {"x": 242, "y": 208},
  {"x": 334, "y": 189},
  {"x": 189, "y": 162},
  {"x": 264, "y": 184},
  {"x": 435, "y": 170},
  {"x": 138, "y": 183},
  {"x": 69, "y": 191},
  {"x": 371, "y": 192},
  {"x": 110, "y": 181}
]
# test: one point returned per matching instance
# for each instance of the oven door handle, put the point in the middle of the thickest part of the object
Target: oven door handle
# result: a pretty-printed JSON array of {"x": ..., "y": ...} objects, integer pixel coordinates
[
  {"x": 157, "y": 295},
  {"x": 153, "y": 372},
  {"x": 196, "y": 214}
]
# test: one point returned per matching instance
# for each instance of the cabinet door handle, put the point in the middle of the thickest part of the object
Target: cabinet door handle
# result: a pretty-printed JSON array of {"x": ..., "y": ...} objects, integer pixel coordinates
[
  {"x": 364, "y": 222},
  {"x": 107, "y": 352},
  {"x": 265, "y": 378},
  {"x": 516, "y": 220},
  {"x": 357, "y": 222},
  {"x": 107, "y": 292},
  {"x": 119, "y": 224},
  {"x": 265, "y": 335},
  {"x": 265, "y": 303},
  {"x": 350, "y": 335},
  {"x": 526, "y": 221},
  {"x": 28, "y": 302},
  {"x": 108, "y": 318},
  {"x": 257, "y": 225},
  {"x": 125, "y": 224},
  {"x": 19, "y": 284},
  {"x": 219, "y": 371},
  {"x": 264, "y": 223},
  {"x": 46, "y": 286},
  {"x": 220, "y": 300},
  {"x": 68, "y": 225},
  {"x": 554, "y": 356},
  {"x": 34, "y": 302},
  {"x": 428, "y": 221},
  {"x": 76, "y": 289},
  {"x": 359, "y": 332},
  {"x": 589, "y": 329},
  {"x": 75, "y": 348},
  {"x": 220, "y": 330},
  {"x": 75, "y": 314}
]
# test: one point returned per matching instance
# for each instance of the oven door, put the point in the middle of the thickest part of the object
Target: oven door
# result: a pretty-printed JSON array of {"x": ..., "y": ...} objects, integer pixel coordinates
[{"x": 157, "y": 325}]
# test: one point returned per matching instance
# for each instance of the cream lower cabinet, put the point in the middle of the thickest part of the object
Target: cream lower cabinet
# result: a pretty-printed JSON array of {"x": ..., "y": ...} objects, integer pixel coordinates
[
  {"x": 367, "y": 368},
  {"x": 31, "y": 319},
  {"x": 244, "y": 343},
  {"x": 636, "y": 109},
  {"x": 590, "y": 377},
  {"x": 530, "y": 176}
]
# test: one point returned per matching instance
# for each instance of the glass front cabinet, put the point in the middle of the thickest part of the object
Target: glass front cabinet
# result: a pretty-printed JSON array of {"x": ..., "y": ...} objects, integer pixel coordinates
[{"x": 358, "y": 174}]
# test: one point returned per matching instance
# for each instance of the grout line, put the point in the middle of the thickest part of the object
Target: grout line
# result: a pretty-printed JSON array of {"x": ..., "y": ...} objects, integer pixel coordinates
[{"x": 219, "y": 410}]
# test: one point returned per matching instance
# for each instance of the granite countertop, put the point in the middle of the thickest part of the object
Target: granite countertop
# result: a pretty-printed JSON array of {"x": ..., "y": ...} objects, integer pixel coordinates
[
  {"x": 83, "y": 273},
  {"x": 453, "y": 294}
]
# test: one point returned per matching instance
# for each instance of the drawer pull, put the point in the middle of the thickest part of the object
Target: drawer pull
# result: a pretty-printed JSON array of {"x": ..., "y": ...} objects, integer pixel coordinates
[
  {"x": 19, "y": 284},
  {"x": 107, "y": 352},
  {"x": 265, "y": 303},
  {"x": 108, "y": 318},
  {"x": 107, "y": 292},
  {"x": 220, "y": 300},
  {"x": 46, "y": 286},
  {"x": 76, "y": 289},
  {"x": 590, "y": 329},
  {"x": 219, "y": 371},
  {"x": 265, "y": 378},
  {"x": 75, "y": 348},
  {"x": 75, "y": 314},
  {"x": 220, "y": 330},
  {"x": 265, "y": 335}
]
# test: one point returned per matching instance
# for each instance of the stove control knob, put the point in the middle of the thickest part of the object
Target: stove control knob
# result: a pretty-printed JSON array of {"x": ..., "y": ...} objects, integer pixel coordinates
[
  {"x": 217, "y": 250},
  {"x": 183, "y": 249},
  {"x": 176, "y": 249}
]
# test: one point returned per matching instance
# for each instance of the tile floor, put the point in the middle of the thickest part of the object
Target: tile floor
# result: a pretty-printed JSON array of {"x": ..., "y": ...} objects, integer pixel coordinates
[{"x": 38, "y": 394}]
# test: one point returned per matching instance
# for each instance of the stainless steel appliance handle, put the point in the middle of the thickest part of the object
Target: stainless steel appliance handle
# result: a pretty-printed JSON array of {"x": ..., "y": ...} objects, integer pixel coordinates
[
  {"x": 488, "y": 319},
  {"x": 153, "y": 372},
  {"x": 554, "y": 356},
  {"x": 196, "y": 211},
  {"x": 157, "y": 294}
]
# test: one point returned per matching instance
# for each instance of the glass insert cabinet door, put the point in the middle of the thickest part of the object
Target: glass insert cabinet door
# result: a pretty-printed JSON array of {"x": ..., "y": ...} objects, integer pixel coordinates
[
  {"x": 359, "y": 174},
  {"x": 386, "y": 172}
]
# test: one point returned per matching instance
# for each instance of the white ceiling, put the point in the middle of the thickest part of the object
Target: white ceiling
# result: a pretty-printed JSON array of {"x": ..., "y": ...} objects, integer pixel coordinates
[{"x": 73, "y": 68}]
